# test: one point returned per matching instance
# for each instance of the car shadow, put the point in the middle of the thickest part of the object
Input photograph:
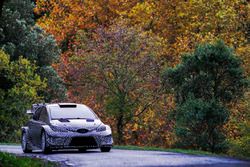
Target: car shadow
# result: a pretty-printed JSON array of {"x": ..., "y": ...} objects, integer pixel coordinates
[{"x": 73, "y": 151}]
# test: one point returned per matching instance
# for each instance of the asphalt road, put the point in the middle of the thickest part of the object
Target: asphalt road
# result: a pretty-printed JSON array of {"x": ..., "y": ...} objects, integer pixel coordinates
[{"x": 119, "y": 158}]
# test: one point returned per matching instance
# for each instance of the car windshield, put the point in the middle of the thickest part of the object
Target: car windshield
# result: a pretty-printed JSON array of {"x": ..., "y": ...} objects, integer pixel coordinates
[{"x": 79, "y": 112}]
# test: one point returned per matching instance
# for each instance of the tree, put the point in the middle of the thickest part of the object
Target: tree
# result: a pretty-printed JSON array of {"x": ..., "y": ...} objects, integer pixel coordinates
[
  {"x": 212, "y": 75},
  {"x": 20, "y": 36},
  {"x": 182, "y": 24},
  {"x": 199, "y": 125},
  {"x": 212, "y": 71},
  {"x": 63, "y": 19},
  {"x": 120, "y": 64},
  {"x": 19, "y": 88}
]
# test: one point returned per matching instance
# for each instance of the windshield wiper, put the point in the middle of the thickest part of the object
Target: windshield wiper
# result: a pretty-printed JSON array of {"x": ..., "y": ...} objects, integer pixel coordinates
[
  {"x": 87, "y": 119},
  {"x": 77, "y": 118}
]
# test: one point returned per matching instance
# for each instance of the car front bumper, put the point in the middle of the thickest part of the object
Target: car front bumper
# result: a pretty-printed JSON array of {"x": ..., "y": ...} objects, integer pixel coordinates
[{"x": 59, "y": 140}]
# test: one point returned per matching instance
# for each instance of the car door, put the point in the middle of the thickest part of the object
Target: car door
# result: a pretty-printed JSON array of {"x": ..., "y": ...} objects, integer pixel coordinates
[
  {"x": 42, "y": 120},
  {"x": 33, "y": 124}
]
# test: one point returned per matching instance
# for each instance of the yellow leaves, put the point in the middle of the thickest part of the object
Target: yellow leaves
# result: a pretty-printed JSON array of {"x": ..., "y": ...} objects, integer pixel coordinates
[
  {"x": 21, "y": 73},
  {"x": 244, "y": 53},
  {"x": 181, "y": 14},
  {"x": 4, "y": 60},
  {"x": 111, "y": 77},
  {"x": 140, "y": 8},
  {"x": 135, "y": 127},
  {"x": 142, "y": 13}
]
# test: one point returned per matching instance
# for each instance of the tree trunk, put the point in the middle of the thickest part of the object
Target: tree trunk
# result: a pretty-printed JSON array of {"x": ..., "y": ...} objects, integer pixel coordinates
[{"x": 120, "y": 127}]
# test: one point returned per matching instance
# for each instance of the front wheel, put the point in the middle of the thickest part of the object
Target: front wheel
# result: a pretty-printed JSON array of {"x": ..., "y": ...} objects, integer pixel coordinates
[
  {"x": 44, "y": 144},
  {"x": 25, "y": 143},
  {"x": 105, "y": 149}
]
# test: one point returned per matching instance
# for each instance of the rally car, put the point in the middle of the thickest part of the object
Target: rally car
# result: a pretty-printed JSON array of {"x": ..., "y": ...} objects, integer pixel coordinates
[{"x": 65, "y": 126}]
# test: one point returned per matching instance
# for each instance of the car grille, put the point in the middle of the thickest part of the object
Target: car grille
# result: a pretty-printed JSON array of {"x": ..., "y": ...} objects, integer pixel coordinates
[
  {"x": 83, "y": 141},
  {"x": 82, "y": 130}
]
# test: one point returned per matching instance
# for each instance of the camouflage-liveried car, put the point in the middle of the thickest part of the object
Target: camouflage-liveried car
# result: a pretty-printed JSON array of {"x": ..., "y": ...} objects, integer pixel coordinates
[{"x": 65, "y": 126}]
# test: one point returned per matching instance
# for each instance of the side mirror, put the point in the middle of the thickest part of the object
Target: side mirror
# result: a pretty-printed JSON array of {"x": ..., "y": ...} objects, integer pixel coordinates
[{"x": 29, "y": 112}]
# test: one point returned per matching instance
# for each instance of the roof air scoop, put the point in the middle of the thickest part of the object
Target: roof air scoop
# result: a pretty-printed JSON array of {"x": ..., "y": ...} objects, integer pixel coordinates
[{"x": 67, "y": 105}]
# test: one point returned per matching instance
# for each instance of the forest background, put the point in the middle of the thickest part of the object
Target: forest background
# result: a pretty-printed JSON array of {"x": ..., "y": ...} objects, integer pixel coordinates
[{"x": 162, "y": 73}]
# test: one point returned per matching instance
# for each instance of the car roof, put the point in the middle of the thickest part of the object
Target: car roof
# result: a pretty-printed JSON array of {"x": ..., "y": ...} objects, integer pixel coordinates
[{"x": 65, "y": 104}]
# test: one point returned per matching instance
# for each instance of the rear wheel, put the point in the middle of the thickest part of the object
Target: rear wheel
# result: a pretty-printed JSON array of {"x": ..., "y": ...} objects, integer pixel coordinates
[
  {"x": 25, "y": 143},
  {"x": 105, "y": 149},
  {"x": 44, "y": 144}
]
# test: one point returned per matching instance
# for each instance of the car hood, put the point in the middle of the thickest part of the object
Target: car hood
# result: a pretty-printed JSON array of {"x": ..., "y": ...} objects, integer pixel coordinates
[{"x": 75, "y": 124}]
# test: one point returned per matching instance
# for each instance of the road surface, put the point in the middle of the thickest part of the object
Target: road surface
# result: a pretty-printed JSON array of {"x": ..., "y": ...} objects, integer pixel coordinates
[{"x": 116, "y": 157}]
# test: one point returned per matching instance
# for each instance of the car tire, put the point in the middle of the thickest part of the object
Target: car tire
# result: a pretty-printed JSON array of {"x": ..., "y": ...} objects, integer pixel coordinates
[
  {"x": 105, "y": 149},
  {"x": 24, "y": 142},
  {"x": 44, "y": 143}
]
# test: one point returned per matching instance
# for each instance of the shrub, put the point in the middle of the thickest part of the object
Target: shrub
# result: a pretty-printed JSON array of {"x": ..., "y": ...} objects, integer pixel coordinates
[
  {"x": 199, "y": 125},
  {"x": 204, "y": 83}
]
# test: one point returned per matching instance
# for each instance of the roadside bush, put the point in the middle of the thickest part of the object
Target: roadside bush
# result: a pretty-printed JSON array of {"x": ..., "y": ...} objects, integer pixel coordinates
[
  {"x": 199, "y": 125},
  {"x": 241, "y": 146}
]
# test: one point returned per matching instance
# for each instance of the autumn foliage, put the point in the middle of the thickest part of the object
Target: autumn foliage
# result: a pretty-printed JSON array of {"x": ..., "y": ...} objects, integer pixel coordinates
[
  {"x": 114, "y": 53},
  {"x": 179, "y": 27}
]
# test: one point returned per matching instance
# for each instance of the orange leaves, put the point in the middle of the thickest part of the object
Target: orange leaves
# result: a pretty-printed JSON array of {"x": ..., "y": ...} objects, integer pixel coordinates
[{"x": 64, "y": 19}]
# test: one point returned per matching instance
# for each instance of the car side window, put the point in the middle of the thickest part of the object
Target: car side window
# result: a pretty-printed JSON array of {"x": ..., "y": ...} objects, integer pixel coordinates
[
  {"x": 37, "y": 114},
  {"x": 44, "y": 115}
]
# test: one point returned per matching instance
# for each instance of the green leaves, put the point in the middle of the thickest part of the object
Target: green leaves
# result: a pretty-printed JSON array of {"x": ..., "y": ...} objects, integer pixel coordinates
[
  {"x": 207, "y": 79},
  {"x": 56, "y": 90},
  {"x": 18, "y": 90},
  {"x": 212, "y": 71},
  {"x": 20, "y": 36},
  {"x": 198, "y": 125}
]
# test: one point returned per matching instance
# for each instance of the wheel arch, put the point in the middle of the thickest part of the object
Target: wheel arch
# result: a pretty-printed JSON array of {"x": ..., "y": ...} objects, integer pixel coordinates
[
  {"x": 25, "y": 129},
  {"x": 45, "y": 128}
]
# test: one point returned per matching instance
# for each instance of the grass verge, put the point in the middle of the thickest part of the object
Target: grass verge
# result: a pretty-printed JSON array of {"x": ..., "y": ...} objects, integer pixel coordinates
[
  {"x": 177, "y": 150},
  {"x": 11, "y": 160},
  {"x": 184, "y": 151},
  {"x": 15, "y": 144}
]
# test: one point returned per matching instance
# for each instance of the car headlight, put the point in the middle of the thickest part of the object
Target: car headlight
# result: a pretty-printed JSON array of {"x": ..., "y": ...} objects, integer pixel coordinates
[
  {"x": 101, "y": 128},
  {"x": 58, "y": 129}
]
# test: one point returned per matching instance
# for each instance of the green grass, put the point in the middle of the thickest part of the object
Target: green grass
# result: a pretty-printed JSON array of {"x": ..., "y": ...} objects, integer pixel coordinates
[
  {"x": 11, "y": 160},
  {"x": 177, "y": 150},
  {"x": 184, "y": 151},
  {"x": 10, "y": 144}
]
